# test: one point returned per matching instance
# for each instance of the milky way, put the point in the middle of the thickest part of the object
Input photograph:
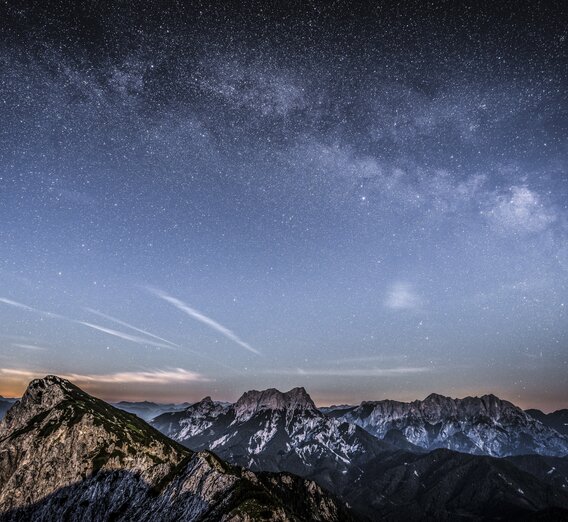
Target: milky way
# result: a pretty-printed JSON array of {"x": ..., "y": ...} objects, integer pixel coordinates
[{"x": 367, "y": 201}]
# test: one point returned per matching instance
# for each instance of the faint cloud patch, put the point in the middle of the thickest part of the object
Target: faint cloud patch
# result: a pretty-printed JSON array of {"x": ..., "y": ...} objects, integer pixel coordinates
[
  {"x": 402, "y": 296},
  {"x": 32, "y": 347},
  {"x": 141, "y": 377}
]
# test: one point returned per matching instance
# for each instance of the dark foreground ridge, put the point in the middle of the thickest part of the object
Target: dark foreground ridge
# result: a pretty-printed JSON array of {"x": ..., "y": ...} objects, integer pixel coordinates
[{"x": 65, "y": 455}]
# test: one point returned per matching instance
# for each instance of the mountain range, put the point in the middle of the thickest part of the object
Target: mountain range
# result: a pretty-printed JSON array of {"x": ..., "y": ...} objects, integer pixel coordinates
[
  {"x": 394, "y": 459},
  {"x": 65, "y": 455},
  {"x": 272, "y": 431},
  {"x": 483, "y": 425},
  {"x": 148, "y": 410},
  {"x": 272, "y": 455}
]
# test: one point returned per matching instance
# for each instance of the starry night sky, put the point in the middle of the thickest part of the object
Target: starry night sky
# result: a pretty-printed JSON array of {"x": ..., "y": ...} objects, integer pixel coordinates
[{"x": 370, "y": 201}]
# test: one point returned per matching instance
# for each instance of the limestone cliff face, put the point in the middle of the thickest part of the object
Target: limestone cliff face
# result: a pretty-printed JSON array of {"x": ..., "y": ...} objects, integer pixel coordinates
[{"x": 65, "y": 455}]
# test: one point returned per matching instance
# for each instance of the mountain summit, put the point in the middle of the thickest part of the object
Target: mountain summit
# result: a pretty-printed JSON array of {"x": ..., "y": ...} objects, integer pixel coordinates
[
  {"x": 41, "y": 395},
  {"x": 254, "y": 401}
]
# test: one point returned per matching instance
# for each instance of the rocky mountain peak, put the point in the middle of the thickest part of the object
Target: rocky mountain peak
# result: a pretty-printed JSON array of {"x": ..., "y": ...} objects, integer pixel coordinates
[
  {"x": 48, "y": 392},
  {"x": 437, "y": 398},
  {"x": 301, "y": 394},
  {"x": 41, "y": 395},
  {"x": 205, "y": 406},
  {"x": 490, "y": 406},
  {"x": 254, "y": 401},
  {"x": 493, "y": 401},
  {"x": 437, "y": 406},
  {"x": 51, "y": 382}
]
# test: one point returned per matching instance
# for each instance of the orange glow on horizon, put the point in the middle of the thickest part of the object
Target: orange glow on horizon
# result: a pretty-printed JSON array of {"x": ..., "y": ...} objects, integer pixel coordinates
[{"x": 15, "y": 386}]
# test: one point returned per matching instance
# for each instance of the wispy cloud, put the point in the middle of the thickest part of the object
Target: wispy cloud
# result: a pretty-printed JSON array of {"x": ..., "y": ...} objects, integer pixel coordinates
[
  {"x": 127, "y": 337},
  {"x": 22, "y": 306},
  {"x": 33, "y": 347},
  {"x": 401, "y": 296},
  {"x": 167, "y": 376},
  {"x": 141, "y": 377},
  {"x": 17, "y": 305},
  {"x": 355, "y": 372},
  {"x": 370, "y": 358},
  {"x": 115, "y": 333},
  {"x": 127, "y": 325},
  {"x": 197, "y": 315}
]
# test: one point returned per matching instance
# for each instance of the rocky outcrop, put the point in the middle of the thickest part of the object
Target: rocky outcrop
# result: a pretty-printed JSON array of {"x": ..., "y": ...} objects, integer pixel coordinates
[
  {"x": 254, "y": 402},
  {"x": 65, "y": 455}
]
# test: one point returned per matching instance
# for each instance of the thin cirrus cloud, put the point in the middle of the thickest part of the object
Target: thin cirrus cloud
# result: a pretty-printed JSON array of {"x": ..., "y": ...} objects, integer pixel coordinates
[
  {"x": 356, "y": 372},
  {"x": 27, "y": 308},
  {"x": 18, "y": 305},
  {"x": 370, "y": 358},
  {"x": 109, "y": 331},
  {"x": 168, "y": 376},
  {"x": 197, "y": 315},
  {"x": 33, "y": 347},
  {"x": 141, "y": 377},
  {"x": 125, "y": 336},
  {"x": 128, "y": 325},
  {"x": 402, "y": 296}
]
